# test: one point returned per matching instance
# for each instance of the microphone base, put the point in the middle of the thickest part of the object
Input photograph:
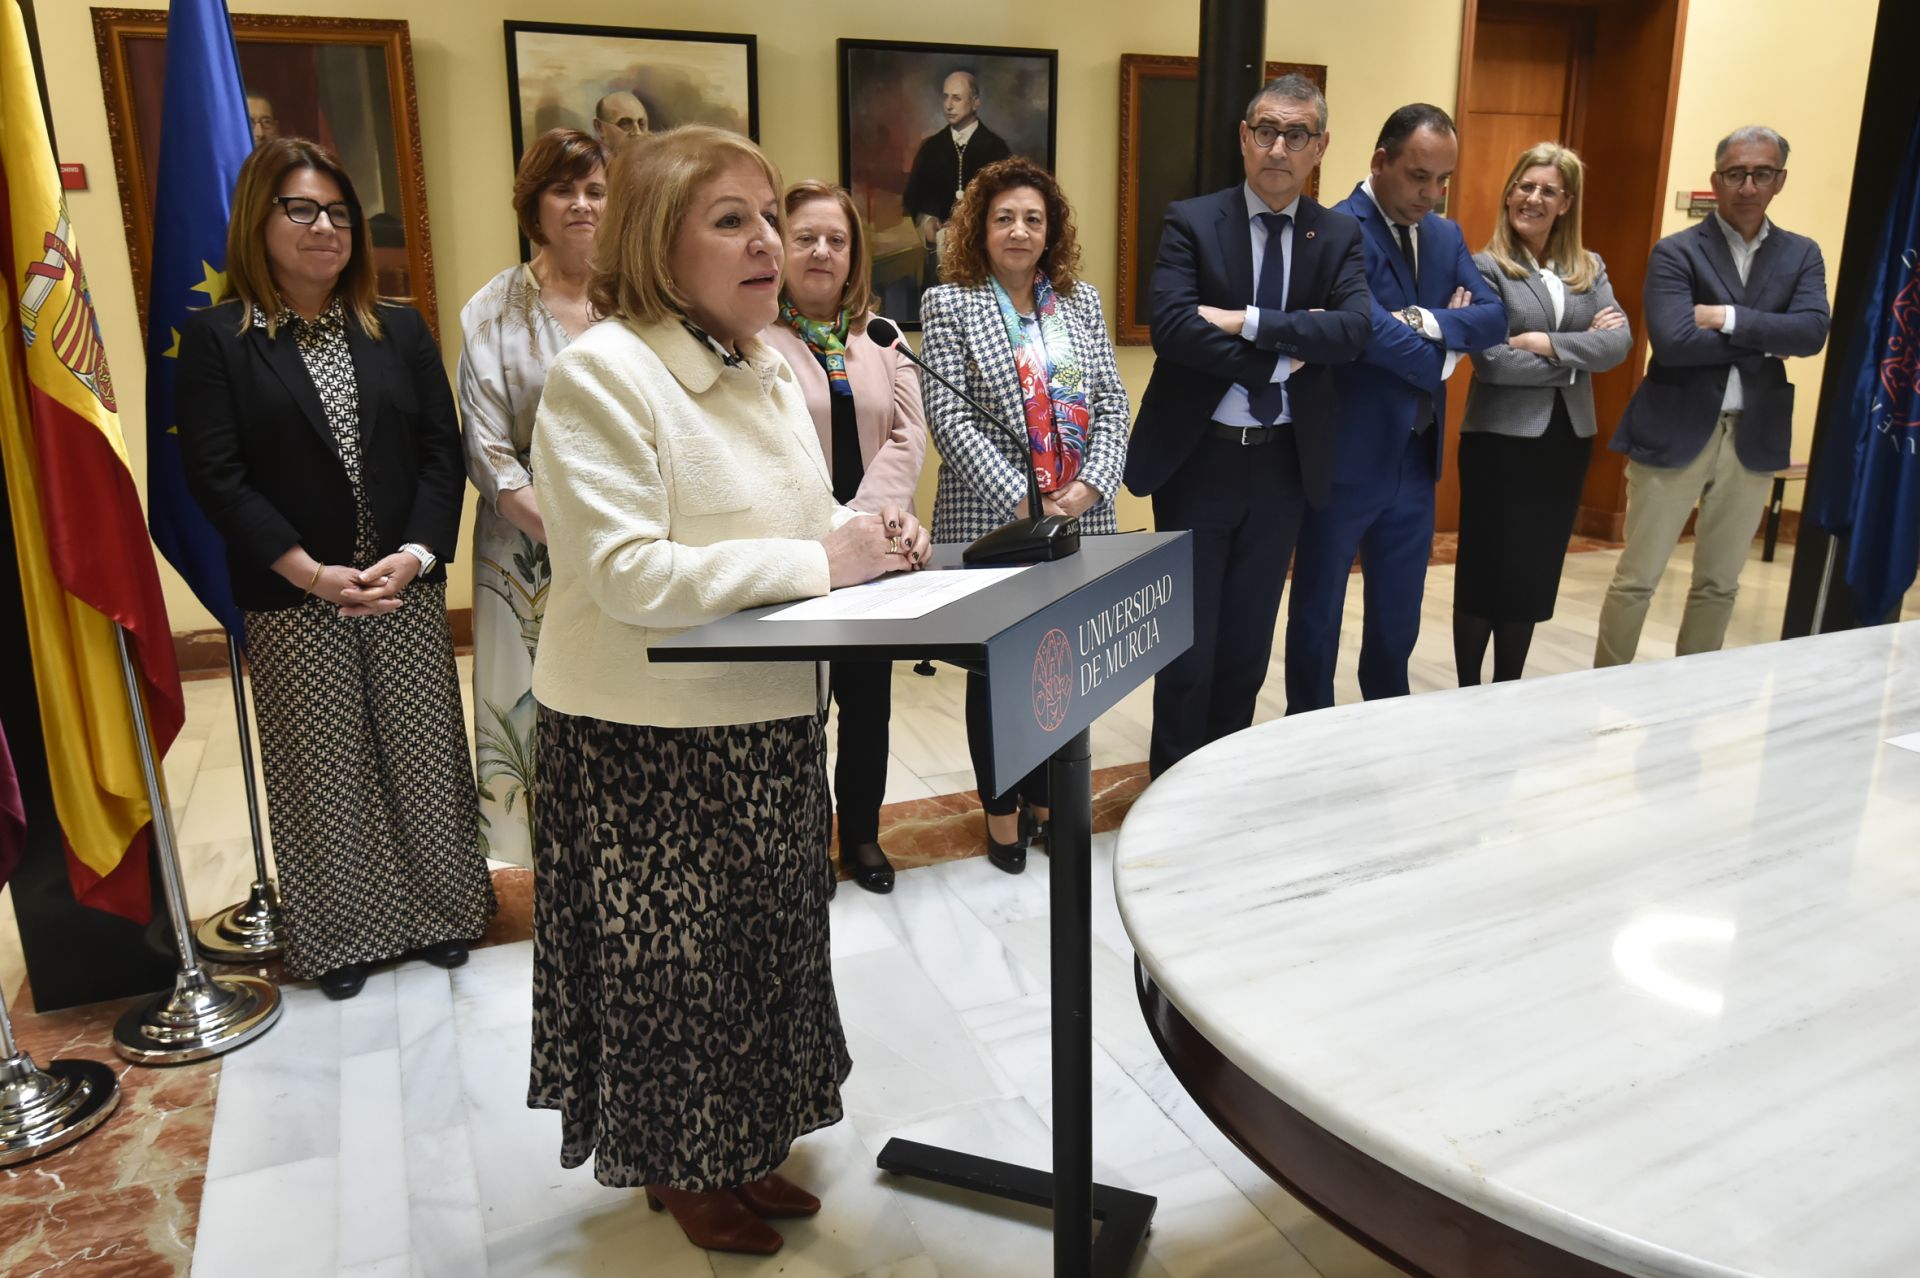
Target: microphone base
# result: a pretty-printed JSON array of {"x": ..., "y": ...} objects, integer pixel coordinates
[{"x": 1027, "y": 541}]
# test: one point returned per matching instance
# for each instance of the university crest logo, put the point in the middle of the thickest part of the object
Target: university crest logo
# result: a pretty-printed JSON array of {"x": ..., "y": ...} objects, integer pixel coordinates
[
  {"x": 1900, "y": 365},
  {"x": 1052, "y": 680},
  {"x": 75, "y": 331}
]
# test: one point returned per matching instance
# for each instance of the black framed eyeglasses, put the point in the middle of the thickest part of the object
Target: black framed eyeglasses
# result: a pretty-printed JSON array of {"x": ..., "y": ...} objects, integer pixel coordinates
[
  {"x": 1763, "y": 178},
  {"x": 304, "y": 212},
  {"x": 1296, "y": 138}
]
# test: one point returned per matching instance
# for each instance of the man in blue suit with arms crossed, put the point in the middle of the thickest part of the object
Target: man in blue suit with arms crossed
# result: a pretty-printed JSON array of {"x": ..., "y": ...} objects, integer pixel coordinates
[
  {"x": 1430, "y": 307},
  {"x": 1256, "y": 291}
]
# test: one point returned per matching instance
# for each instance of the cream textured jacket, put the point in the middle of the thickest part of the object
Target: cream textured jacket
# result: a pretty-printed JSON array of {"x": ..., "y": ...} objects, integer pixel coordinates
[{"x": 675, "y": 490}]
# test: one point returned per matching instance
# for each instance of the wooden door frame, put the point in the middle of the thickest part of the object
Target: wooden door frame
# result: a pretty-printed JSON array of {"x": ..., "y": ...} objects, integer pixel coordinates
[{"x": 1606, "y": 518}]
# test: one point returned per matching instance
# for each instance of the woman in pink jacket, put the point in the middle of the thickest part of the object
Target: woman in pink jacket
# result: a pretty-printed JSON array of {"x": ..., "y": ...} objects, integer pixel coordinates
[{"x": 865, "y": 402}]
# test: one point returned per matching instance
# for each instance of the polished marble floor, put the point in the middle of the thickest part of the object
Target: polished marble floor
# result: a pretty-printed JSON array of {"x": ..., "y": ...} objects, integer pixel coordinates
[
  {"x": 435, "y": 1166},
  {"x": 390, "y": 1135}
]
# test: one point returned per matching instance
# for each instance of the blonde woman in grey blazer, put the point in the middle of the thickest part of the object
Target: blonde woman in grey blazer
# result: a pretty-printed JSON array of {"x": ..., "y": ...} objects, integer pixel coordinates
[{"x": 1527, "y": 437}]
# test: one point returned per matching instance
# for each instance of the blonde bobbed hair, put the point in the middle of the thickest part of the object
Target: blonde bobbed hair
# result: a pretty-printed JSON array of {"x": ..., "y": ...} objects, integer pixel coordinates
[{"x": 650, "y": 191}]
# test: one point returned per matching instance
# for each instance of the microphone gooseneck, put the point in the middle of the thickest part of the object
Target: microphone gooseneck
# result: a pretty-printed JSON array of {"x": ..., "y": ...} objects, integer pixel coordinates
[{"x": 1037, "y": 538}]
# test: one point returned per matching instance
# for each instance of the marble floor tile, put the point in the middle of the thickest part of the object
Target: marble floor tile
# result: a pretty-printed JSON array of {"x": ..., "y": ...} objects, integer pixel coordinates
[
  {"x": 516, "y": 1150},
  {"x": 388, "y": 1267},
  {"x": 218, "y": 810},
  {"x": 279, "y": 1099},
  {"x": 370, "y": 1021},
  {"x": 372, "y": 1217},
  {"x": 443, "y": 1204},
  {"x": 613, "y": 1239},
  {"x": 1204, "y": 1227},
  {"x": 912, "y": 1054},
  {"x": 247, "y": 1229},
  {"x": 429, "y": 1049},
  {"x": 958, "y": 952},
  {"x": 856, "y": 926}
]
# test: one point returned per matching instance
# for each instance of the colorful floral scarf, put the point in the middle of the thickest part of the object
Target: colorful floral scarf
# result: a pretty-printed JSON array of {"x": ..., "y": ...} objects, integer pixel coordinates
[
  {"x": 828, "y": 342},
  {"x": 1053, "y": 388}
]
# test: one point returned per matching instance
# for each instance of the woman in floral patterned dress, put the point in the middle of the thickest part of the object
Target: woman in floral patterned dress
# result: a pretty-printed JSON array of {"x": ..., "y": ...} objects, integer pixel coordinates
[{"x": 514, "y": 326}]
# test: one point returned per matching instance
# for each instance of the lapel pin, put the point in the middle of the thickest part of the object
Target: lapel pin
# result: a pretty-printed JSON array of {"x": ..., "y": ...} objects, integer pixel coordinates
[{"x": 1309, "y": 234}]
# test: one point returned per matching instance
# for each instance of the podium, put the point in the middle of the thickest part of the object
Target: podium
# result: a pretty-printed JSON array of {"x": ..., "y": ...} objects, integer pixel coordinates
[{"x": 1060, "y": 644}]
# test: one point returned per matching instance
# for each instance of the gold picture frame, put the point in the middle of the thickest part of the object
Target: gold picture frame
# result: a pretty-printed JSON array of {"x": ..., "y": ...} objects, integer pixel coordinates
[{"x": 345, "y": 81}]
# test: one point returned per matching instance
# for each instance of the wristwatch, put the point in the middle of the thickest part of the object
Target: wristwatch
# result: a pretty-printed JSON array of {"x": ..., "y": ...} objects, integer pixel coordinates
[
  {"x": 426, "y": 557},
  {"x": 1411, "y": 318}
]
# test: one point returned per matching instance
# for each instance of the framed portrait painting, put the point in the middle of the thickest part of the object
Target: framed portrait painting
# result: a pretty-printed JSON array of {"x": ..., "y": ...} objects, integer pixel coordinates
[
  {"x": 343, "y": 82},
  {"x": 917, "y": 122},
  {"x": 619, "y": 82},
  {"x": 1159, "y": 103}
]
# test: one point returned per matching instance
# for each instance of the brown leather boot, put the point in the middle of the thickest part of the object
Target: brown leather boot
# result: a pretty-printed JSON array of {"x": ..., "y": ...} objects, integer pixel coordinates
[
  {"x": 776, "y": 1197},
  {"x": 716, "y": 1220}
]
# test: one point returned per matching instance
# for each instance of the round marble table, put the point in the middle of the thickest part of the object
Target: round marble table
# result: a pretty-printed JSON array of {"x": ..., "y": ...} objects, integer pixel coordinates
[{"x": 1615, "y": 972}]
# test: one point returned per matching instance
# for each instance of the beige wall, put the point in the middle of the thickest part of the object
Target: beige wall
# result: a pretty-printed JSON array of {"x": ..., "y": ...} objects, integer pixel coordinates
[
  {"x": 1379, "y": 54},
  {"x": 1778, "y": 63}
]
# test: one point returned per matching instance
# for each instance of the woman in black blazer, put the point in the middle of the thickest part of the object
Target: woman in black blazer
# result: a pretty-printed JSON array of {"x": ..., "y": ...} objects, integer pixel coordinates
[{"x": 320, "y": 439}]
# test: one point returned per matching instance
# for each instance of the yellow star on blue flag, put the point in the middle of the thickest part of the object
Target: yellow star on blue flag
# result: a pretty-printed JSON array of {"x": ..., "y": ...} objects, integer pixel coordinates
[{"x": 214, "y": 286}]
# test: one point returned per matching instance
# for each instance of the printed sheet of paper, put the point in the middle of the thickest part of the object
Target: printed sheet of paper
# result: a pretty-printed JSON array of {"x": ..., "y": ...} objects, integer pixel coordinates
[
  {"x": 897, "y": 598},
  {"x": 1911, "y": 741}
]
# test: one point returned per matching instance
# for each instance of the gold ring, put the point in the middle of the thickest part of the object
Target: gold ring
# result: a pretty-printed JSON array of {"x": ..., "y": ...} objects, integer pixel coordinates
[{"x": 893, "y": 546}]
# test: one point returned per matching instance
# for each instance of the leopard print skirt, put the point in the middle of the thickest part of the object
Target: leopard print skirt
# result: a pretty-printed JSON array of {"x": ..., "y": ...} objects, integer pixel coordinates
[{"x": 684, "y": 1021}]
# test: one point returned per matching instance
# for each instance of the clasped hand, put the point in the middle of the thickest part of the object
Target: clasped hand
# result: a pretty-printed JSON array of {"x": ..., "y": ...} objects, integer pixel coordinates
[
  {"x": 371, "y": 591},
  {"x": 869, "y": 546}
]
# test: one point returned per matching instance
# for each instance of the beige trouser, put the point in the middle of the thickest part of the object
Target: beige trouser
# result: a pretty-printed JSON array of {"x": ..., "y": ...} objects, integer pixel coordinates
[{"x": 1731, "y": 498}]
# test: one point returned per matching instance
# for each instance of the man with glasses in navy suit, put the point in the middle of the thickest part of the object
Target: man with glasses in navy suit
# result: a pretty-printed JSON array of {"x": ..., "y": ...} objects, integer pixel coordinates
[
  {"x": 1430, "y": 307},
  {"x": 1257, "y": 291}
]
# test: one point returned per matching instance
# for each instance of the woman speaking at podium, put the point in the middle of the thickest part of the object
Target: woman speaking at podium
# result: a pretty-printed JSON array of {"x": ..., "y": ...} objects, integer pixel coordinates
[
  {"x": 1026, "y": 338},
  {"x": 684, "y": 1021}
]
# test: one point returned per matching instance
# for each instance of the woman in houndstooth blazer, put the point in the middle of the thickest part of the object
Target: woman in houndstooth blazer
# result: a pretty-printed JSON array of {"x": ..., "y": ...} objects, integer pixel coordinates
[
  {"x": 1016, "y": 328},
  {"x": 1528, "y": 433}
]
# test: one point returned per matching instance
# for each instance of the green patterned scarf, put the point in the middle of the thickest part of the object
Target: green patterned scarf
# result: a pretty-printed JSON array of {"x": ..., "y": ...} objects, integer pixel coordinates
[{"x": 828, "y": 342}]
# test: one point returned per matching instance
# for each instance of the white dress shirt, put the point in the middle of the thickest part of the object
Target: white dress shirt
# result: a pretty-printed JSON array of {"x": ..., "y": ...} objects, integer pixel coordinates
[
  {"x": 1429, "y": 326},
  {"x": 1743, "y": 252},
  {"x": 1234, "y": 408},
  {"x": 1557, "y": 294}
]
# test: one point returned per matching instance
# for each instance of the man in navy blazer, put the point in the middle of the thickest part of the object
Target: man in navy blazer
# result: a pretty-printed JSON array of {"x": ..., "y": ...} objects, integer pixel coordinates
[
  {"x": 1256, "y": 292},
  {"x": 1430, "y": 307},
  {"x": 1713, "y": 419}
]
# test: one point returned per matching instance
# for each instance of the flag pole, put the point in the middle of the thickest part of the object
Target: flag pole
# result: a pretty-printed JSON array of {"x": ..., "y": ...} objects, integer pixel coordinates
[
  {"x": 42, "y": 1110},
  {"x": 249, "y": 932},
  {"x": 1826, "y": 584},
  {"x": 201, "y": 1016}
]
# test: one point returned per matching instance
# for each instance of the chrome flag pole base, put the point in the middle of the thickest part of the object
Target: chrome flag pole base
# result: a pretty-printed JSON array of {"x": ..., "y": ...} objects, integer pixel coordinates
[
  {"x": 203, "y": 1016},
  {"x": 249, "y": 932},
  {"x": 42, "y": 1110}
]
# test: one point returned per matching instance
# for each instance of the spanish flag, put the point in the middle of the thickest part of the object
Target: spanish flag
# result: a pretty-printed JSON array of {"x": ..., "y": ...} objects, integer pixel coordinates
[{"x": 85, "y": 562}]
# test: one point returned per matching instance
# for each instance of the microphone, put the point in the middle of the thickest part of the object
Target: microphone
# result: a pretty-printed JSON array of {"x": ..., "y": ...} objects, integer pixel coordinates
[{"x": 1039, "y": 537}]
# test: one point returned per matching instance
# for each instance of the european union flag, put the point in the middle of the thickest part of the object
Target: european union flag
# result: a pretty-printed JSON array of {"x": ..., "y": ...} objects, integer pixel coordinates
[
  {"x": 205, "y": 137},
  {"x": 1871, "y": 486}
]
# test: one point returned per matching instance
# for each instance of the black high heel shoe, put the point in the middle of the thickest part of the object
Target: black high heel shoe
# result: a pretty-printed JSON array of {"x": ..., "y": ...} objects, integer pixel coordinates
[{"x": 1011, "y": 857}]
